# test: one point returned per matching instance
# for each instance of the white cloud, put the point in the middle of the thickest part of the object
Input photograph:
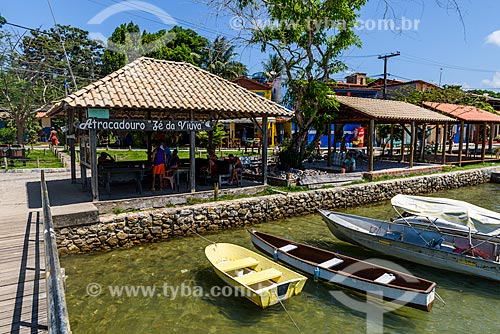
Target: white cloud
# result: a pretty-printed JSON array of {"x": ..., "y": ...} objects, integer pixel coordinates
[
  {"x": 493, "y": 83},
  {"x": 493, "y": 38}
]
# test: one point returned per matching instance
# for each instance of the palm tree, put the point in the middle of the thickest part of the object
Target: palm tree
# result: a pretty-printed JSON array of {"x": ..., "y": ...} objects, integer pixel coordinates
[
  {"x": 218, "y": 59},
  {"x": 273, "y": 68}
]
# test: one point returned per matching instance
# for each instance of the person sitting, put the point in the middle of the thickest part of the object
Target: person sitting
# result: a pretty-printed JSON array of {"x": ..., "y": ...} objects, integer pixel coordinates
[
  {"x": 349, "y": 164},
  {"x": 105, "y": 157},
  {"x": 237, "y": 168}
]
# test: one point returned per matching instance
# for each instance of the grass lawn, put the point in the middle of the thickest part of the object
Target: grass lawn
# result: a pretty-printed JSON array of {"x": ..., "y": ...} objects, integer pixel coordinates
[
  {"x": 139, "y": 155},
  {"x": 47, "y": 160}
]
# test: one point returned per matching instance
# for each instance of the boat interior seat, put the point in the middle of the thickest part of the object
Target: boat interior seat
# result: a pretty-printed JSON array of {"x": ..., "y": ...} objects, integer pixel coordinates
[
  {"x": 238, "y": 264},
  {"x": 259, "y": 276},
  {"x": 330, "y": 263},
  {"x": 288, "y": 248},
  {"x": 386, "y": 278}
]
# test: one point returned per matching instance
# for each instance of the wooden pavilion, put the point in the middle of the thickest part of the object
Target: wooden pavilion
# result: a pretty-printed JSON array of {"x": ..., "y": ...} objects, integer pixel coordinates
[
  {"x": 371, "y": 111},
  {"x": 154, "y": 95},
  {"x": 471, "y": 116}
]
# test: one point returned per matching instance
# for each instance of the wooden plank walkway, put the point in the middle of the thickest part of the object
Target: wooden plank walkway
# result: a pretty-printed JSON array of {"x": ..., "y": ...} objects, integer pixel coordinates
[{"x": 23, "y": 306}]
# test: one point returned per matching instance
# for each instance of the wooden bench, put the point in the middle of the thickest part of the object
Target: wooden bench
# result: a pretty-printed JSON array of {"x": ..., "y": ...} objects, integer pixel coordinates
[
  {"x": 259, "y": 276},
  {"x": 238, "y": 264}
]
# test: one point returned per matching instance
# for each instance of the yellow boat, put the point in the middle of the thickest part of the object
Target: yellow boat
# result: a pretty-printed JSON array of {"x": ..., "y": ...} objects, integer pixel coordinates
[{"x": 254, "y": 276}]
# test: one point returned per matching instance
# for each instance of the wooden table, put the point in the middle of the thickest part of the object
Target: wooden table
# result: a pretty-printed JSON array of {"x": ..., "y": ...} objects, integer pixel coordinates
[{"x": 122, "y": 173}]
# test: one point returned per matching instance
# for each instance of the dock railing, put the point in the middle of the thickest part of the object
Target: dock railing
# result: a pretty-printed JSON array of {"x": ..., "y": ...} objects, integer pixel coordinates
[{"x": 57, "y": 315}]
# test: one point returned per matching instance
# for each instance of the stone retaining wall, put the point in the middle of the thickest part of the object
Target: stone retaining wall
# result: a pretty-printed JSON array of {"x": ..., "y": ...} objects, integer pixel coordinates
[{"x": 129, "y": 229}]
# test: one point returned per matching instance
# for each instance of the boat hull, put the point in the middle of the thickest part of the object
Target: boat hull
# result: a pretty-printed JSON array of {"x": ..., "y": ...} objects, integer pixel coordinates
[
  {"x": 272, "y": 292},
  {"x": 343, "y": 227},
  {"x": 418, "y": 299}
]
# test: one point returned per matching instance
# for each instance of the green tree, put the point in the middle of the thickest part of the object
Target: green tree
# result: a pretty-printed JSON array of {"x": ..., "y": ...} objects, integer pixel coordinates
[
  {"x": 307, "y": 38},
  {"x": 219, "y": 59},
  {"x": 211, "y": 139},
  {"x": 33, "y": 71},
  {"x": 273, "y": 67},
  {"x": 127, "y": 43}
]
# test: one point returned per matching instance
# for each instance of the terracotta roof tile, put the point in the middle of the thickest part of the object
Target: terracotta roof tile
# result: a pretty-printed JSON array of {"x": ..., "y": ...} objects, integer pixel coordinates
[
  {"x": 390, "y": 110},
  {"x": 171, "y": 87},
  {"x": 464, "y": 113}
]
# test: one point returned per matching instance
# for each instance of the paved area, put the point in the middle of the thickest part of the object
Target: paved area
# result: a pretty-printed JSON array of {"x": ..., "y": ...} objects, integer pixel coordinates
[{"x": 23, "y": 307}]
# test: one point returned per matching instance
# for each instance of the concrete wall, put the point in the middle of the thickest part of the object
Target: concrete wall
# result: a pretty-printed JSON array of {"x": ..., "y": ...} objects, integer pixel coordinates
[{"x": 129, "y": 229}]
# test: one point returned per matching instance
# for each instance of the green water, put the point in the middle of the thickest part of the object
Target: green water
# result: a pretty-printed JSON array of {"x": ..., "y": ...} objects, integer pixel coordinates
[{"x": 472, "y": 304}]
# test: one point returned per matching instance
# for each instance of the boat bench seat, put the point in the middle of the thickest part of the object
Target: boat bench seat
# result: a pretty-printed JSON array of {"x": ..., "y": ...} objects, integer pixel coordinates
[
  {"x": 330, "y": 263},
  {"x": 259, "y": 276},
  {"x": 238, "y": 264},
  {"x": 386, "y": 278},
  {"x": 288, "y": 248}
]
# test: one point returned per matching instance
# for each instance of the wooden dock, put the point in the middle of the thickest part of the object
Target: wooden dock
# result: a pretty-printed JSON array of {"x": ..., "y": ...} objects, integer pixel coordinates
[{"x": 23, "y": 306}]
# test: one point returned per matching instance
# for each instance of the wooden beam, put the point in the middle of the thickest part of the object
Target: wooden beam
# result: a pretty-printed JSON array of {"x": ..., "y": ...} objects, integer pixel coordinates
[
  {"x": 264, "y": 149},
  {"x": 391, "y": 145},
  {"x": 371, "y": 133},
  {"x": 443, "y": 146},
  {"x": 461, "y": 143},
  {"x": 436, "y": 141},
  {"x": 71, "y": 143},
  {"x": 93, "y": 165},
  {"x": 329, "y": 156},
  {"x": 403, "y": 135},
  {"x": 483, "y": 146},
  {"x": 412, "y": 144},
  {"x": 192, "y": 158}
]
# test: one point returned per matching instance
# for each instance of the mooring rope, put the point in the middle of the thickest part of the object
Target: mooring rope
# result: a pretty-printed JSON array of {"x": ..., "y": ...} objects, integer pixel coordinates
[
  {"x": 288, "y": 313},
  {"x": 440, "y": 298}
]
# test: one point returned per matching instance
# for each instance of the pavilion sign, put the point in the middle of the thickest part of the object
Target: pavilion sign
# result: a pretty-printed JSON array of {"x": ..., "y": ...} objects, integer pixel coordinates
[{"x": 144, "y": 125}]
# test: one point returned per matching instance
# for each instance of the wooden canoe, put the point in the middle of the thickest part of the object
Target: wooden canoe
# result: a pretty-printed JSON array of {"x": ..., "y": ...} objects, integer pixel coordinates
[
  {"x": 362, "y": 276},
  {"x": 254, "y": 276}
]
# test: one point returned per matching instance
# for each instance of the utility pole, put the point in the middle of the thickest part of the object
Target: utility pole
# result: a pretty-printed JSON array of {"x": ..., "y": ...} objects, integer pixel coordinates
[{"x": 385, "y": 69}]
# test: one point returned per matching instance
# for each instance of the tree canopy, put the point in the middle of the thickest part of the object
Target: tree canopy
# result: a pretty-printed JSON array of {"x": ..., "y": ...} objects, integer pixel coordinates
[
  {"x": 307, "y": 37},
  {"x": 219, "y": 59},
  {"x": 127, "y": 43}
]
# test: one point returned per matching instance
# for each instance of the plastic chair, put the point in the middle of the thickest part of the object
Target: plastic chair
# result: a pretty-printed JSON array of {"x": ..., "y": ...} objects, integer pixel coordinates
[{"x": 170, "y": 177}]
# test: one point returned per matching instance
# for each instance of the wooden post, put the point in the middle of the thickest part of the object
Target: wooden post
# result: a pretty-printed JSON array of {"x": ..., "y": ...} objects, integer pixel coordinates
[
  {"x": 412, "y": 145},
  {"x": 329, "y": 155},
  {"x": 443, "y": 146},
  {"x": 436, "y": 142},
  {"x": 461, "y": 143},
  {"x": 492, "y": 135},
  {"x": 391, "y": 141},
  {"x": 93, "y": 165},
  {"x": 149, "y": 136},
  {"x": 83, "y": 158},
  {"x": 192, "y": 158},
  {"x": 422, "y": 147},
  {"x": 483, "y": 146},
  {"x": 403, "y": 136},
  {"x": 71, "y": 143},
  {"x": 264, "y": 149},
  {"x": 371, "y": 133},
  {"x": 6, "y": 163},
  {"x": 467, "y": 136},
  {"x": 37, "y": 162}
]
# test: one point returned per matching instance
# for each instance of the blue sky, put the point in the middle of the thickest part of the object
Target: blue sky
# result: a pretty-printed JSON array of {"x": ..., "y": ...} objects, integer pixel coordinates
[{"x": 468, "y": 55}]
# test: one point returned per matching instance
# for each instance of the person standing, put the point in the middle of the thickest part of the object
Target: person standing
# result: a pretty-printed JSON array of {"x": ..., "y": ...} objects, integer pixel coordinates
[
  {"x": 158, "y": 159},
  {"x": 53, "y": 140}
]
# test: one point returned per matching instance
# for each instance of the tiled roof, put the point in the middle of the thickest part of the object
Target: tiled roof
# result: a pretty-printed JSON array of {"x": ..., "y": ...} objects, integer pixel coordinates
[
  {"x": 389, "y": 110},
  {"x": 464, "y": 113},
  {"x": 170, "y": 88}
]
